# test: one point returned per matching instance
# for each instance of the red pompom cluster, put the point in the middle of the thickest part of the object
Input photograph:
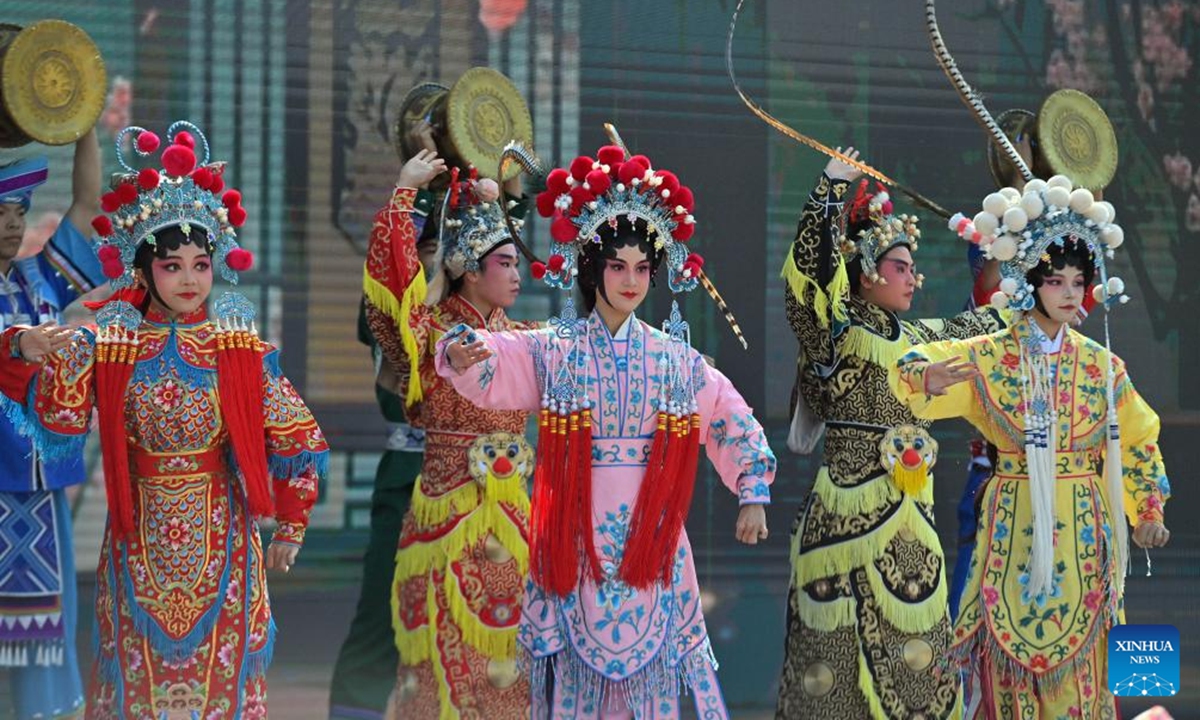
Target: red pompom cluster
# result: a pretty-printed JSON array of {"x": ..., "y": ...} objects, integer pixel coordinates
[
  {"x": 147, "y": 142},
  {"x": 103, "y": 226},
  {"x": 125, "y": 194},
  {"x": 237, "y": 214},
  {"x": 179, "y": 160},
  {"x": 860, "y": 209},
  {"x": 569, "y": 190},
  {"x": 148, "y": 179},
  {"x": 239, "y": 259},
  {"x": 110, "y": 257}
]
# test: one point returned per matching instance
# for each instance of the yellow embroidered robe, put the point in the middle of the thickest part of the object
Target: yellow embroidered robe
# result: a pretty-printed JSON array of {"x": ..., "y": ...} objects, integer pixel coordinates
[{"x": 1044, "y": 656}]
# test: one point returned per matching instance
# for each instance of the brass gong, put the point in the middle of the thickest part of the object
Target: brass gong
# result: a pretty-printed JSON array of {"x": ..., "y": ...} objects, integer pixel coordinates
[
  {"x": 52, "y": 83},
  {"x": 471, "y": 121},
  {"x": 1077, "y": 139},
  {"x": 1071, "y": 135}
]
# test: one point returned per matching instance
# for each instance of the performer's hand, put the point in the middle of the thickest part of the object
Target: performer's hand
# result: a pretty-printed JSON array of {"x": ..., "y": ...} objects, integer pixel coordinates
[
  {"x": 421, "y": 169},
  {"x": 940, "y": 376},
  {"x": 751, "y": 524},
  {"x": 1151, "y": 534},
  {"x": 422, "y": 135},
  {"x": 45, "y": 339},
  {"x": 281, "y": 556},
  {"x": 513, "y": 187},
  {"x": 467, "y": 352},
  {"x": 838, "y": 170}
]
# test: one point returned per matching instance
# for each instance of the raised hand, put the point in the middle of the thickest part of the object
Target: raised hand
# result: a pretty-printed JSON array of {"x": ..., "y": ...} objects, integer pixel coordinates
[
  {"x": 421, "y": 169},
  {"x": 467, "y": 352},
  {"x": 37, "y": 343},
  {"x": 940, "y": 376},
  {"x": 838, "y": 170}
]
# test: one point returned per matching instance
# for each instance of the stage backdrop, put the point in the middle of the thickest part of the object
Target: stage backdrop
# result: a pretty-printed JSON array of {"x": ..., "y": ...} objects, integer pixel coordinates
[{"x": 300, "y": 98}]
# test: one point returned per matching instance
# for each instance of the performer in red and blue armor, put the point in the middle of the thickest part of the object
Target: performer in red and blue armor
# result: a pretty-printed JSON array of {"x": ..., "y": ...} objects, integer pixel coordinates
[{"x": 37, "y": 568}]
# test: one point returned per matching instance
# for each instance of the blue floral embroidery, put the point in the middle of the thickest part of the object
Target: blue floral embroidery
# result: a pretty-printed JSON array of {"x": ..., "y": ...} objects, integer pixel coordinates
[
  {"x": 613, "y": 593},
  {"x": 1088, "y": 535},
  {"x": 487, "y": 374},
  {"x": 1055, "y": 589}
]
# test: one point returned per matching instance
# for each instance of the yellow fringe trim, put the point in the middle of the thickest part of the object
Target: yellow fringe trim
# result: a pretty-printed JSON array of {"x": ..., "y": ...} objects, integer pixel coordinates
[
  {"x": 867, "y": 688},
  {"x": 415, "y": 560},
  {"x": 498, "y": 644},
  {"x": 838, "y": 286},
  {"x": 862, "y": 499},
  {"x": 912, "y": 618},
  {"x": 401, "y": 311},
  {"x": 824, "y": 616},
  {"x": 509, "y": 491},
  {"x": 862, "y": 343},
  {"x": 414, "y": 645},
  {"x": 429, "y": 511},
  {"x": 861, "y": 551},
  {"x": 912, "y": 482}
]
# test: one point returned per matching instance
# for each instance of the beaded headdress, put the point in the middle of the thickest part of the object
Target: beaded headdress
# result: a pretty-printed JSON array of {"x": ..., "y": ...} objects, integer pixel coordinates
[
  {"x": 472, "y": 223},
  {"x": 187, "y": 192},
  {"x": 593, "y": 192},
  {"x": 1016, "y": 227},
  {"x": 884, "y": 232}
]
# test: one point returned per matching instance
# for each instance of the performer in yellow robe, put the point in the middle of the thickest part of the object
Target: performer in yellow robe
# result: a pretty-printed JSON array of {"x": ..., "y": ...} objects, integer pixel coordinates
[{"x": 1073, "y": 438}]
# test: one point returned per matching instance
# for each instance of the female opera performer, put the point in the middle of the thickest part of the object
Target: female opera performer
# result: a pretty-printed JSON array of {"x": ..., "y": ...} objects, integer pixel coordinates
[
  {"x": 1077, "y": 458},
  {"x": 612, "y": 613},
  {"x": 200, "y": 433}
]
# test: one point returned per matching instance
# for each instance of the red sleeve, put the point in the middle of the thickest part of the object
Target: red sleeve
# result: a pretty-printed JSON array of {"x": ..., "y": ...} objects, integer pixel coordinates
[
  {"x": 394, "y": 288},
  {"x": 15, "y": 373}
]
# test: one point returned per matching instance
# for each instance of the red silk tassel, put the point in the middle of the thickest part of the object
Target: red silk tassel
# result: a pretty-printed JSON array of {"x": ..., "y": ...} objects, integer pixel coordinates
[
  {"x": 240, "y": 389},
  {"x": 113, "y": 369},
  {"x": 640, "y": 565},
  {"x": 583, "y": 522},
  {"x": 676, "y": 512},
  {"x": 552, "y": 551},
  {"x": 542, "y": 507},
  {"x": 662, "y": 508}
]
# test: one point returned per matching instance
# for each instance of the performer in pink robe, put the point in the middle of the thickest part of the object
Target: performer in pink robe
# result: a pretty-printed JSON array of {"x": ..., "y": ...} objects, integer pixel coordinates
[{"x": 613, "y": 606}]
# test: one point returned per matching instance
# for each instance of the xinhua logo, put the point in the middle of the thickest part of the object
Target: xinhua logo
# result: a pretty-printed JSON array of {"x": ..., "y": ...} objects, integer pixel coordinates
[{"x": 1143, "y": 660}]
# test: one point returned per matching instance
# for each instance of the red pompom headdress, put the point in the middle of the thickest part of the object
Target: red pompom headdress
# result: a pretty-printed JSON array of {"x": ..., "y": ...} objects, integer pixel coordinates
[{"x": 141, "y": 203}]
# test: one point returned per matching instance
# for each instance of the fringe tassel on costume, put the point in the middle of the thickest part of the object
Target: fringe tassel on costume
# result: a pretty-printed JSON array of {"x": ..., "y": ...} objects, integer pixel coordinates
[
  {"x": 664, "y": 676},
  {"x": 116, "y": 353},
  {"x": 240, "y": 388},
  {"x": 401, "y": 311}
]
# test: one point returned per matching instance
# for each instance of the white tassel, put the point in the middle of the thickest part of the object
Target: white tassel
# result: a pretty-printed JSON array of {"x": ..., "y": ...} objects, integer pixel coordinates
[
  {"x": 1113, "y": 475},
  {"x": 1040, "y": 449},
  {"x": 1039, "y": 455}
]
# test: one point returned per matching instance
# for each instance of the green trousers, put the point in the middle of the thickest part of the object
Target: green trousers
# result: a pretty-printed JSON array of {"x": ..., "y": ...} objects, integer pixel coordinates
[{"x": 365, "y": 673}]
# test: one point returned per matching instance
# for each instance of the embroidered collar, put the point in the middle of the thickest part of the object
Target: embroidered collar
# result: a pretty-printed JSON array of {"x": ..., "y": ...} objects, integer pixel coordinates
[
  {"x": 156, "y": 317},
  {"x": 466, "y": 309},
  {"x": 1030, "y": 332}
]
